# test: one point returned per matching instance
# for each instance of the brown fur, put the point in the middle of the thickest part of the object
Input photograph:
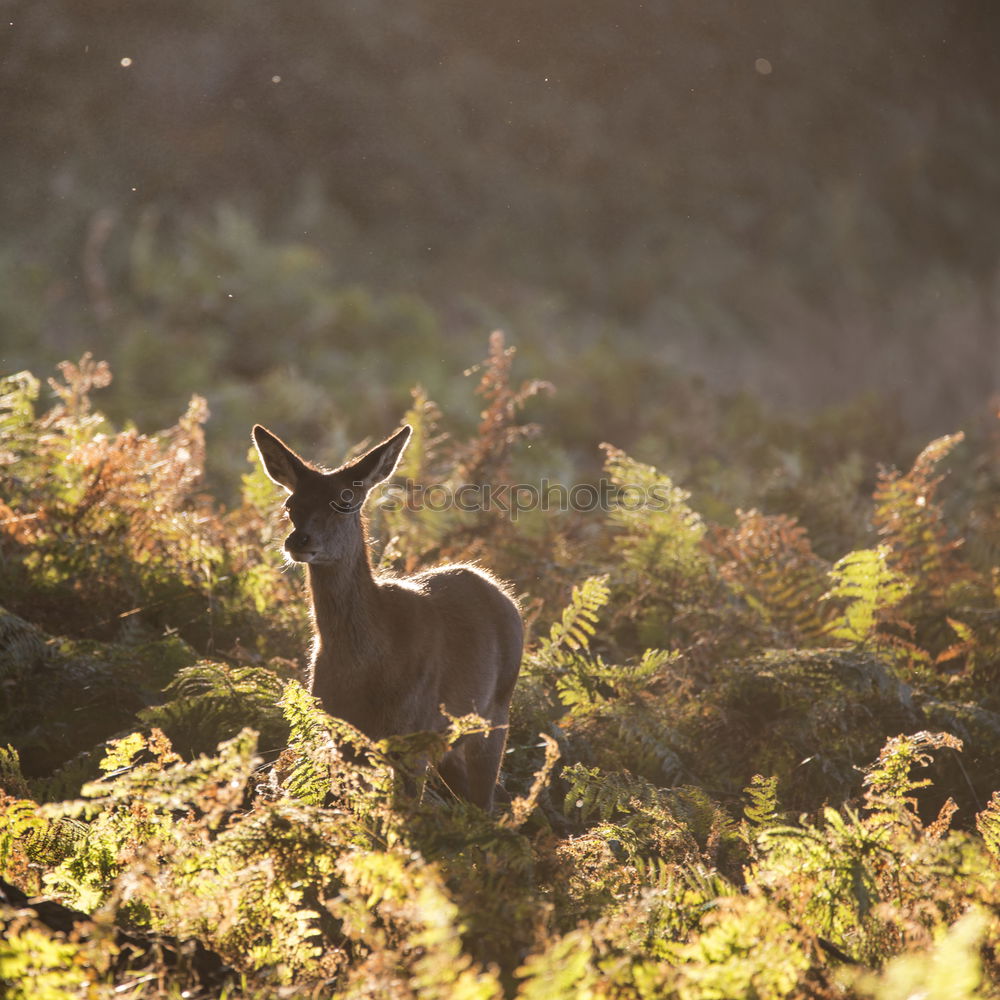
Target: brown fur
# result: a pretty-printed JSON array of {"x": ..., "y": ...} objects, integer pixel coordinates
[{"x": 388, "y": 651}]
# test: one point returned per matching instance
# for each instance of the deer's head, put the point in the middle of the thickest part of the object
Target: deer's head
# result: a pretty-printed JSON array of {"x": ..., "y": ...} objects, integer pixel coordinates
[{"x": 325, "y": 507}]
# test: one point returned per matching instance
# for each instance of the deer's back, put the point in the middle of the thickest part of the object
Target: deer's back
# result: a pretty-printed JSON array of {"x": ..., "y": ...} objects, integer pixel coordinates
[{"x": 462, "y": 631}]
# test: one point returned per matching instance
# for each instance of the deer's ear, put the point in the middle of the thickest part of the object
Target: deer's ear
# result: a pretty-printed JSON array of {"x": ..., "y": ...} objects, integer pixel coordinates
[
  {"x": 281, "y": 464},
  {"x": 380, "y": 462}
]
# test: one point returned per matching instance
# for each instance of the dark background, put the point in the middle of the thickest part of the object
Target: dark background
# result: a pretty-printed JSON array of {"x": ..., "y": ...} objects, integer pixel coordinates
[{"x": 302, "y": 209}]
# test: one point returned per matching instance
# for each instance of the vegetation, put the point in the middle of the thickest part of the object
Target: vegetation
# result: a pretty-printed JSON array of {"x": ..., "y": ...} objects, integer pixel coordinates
[
  {"x": 749, "y": 256},
  {"x": 755, "y": 752}
]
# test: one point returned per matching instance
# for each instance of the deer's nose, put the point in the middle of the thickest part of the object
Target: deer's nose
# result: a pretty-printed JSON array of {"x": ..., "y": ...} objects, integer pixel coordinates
[{"x": 296, "y": 541}]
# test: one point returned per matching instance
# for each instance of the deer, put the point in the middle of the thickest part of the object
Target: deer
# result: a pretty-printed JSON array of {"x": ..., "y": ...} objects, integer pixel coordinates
[{"x": 391, "y": 652}]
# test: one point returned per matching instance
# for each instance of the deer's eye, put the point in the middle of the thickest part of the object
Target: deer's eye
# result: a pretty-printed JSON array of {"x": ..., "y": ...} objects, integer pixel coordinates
[{"x": 347, "y": 500}]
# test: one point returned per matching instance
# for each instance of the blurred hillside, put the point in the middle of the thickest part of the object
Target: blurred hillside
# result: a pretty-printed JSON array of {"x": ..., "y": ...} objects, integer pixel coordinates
[{"x": 302, "y": 210}]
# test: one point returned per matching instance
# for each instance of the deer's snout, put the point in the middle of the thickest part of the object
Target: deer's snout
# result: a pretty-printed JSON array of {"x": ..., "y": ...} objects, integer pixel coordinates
[{"x": 296, "y": 541}]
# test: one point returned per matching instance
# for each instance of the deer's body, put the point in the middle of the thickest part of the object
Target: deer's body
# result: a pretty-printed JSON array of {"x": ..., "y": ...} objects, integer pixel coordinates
[{"x": 388, "y": 652}]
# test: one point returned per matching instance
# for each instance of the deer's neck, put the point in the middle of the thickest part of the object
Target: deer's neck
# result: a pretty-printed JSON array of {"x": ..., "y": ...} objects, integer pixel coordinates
[{"x": 345, "y": 612}]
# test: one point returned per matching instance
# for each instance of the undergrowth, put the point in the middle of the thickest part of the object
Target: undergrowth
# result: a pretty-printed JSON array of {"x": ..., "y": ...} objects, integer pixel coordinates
[{"x": 737, "y": 767}]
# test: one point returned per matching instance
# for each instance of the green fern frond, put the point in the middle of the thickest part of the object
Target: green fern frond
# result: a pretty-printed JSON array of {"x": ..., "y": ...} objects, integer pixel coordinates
[
  {"x": 988, "y": 825},
  {"x": 650, "y": 665},
  {"x": 641, "y": 739},
  {"x": 578, "y": 622},
  {"x": 420, "y": 462},
  {"x": 310, "y": 742},
  {"x": 761, "y": 809},
  {"x": 26, "y": 831},
  {"x": 660, "y": 535},
  {"x": 212, "y": 701},
  {"x": 315, "y": 766},
  {"x": 663, "y": 503},
  {"x": 888, "y": 782},
  {"x": 760, "y": 813},
  {"x": 410, "y": 527},
  {"x": 12, "y": 781},
  {"x": 594, "y": 792},
  {"x": 582, "y": 680},
  {"x": 158, "y": 802},
  {"x": 121, "y": 752},
  {"x": 652, "y": 821},
  {"x": 665, "y": 575},
  {"x": 19, "y": 818},
  {"x": 586, "y": 683},
  {"x": 869, "y": 587},
  {"x": 18, "y": 394}
]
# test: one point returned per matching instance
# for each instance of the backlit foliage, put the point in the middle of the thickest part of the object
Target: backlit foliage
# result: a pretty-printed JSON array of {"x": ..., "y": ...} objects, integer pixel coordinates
[
  {"x": 736, "y": 768},
  {"x": 869, "y": 589},
  {"x": 770, "y": 562},
  {"x": 908, "y": 517}
]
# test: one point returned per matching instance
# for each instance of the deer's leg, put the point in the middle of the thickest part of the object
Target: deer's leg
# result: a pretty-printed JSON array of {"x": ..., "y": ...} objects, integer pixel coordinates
[
  {"x": 454, "y": 769},
  {"x": 483, "y": 755}
]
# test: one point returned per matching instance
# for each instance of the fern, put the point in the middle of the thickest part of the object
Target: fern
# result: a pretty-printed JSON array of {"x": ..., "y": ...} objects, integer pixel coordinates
[
  {"x": 638, "y": 734},
  {"x": 618, "y": 795},
  {"x": 869, "y": 589},
  {"x": 210, "y": 702},
  {"x": 310, "y": 875},
  {"x": 988, "y": 825},
  {"x": 408, "y": 528},
  {"x": 912, "y": 524},
  {"x": 665, "y": 569},
  {"x": 121, "y": 752},
  {"x": 663, "y": 535},
  {"x": 310, "y": 743},
  {"x": 600, "y": 697},
  {"x": 588, "y": 683},
  {"x": 77, "y": 383},
  {"x": 161, "y": 802},
  {"x": 320, "y": 759},
  {"x": 19, "y": 818},
  {"x": 888, "y": 783},
  {"x": 761, "y": 810},
  {"x": 486, "y": 457},
  {"x": 39, "y": 964},
  {"x": 12, "y": 781},
  {"x": 951, "y": 967},
  {"x": 57, "y": 698},
  {"x": 111, "y": 527},
  {"x": 400, "y": 904},
  {"x": 18, "y": 394},
  {"x": 645, "y": 837},
  {"x": 582, "y": 679},
  {"x": 589, "y": 792},
  {"x": 746, "y": 947},
  {"x": 578, "y": 622},
  {"x": 760, "y": 813},
  {"x": 422, "y": 461},
  {"x": 565, "y": 967},
  {"x": 805, "y": 716},
  {"x": 770, "y": 563}
]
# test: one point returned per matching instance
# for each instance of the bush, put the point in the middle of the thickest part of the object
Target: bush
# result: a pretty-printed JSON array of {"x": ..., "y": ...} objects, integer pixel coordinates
[{"x": 736, "y": 768}]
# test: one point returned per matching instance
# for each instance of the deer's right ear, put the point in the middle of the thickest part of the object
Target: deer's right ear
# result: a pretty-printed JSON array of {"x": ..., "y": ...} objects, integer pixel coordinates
[{"x": 281, "y": 464}]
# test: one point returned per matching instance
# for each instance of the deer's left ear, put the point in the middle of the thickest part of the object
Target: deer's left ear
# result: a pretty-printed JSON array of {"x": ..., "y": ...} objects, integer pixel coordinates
[{"x": 378, "y": 463}]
